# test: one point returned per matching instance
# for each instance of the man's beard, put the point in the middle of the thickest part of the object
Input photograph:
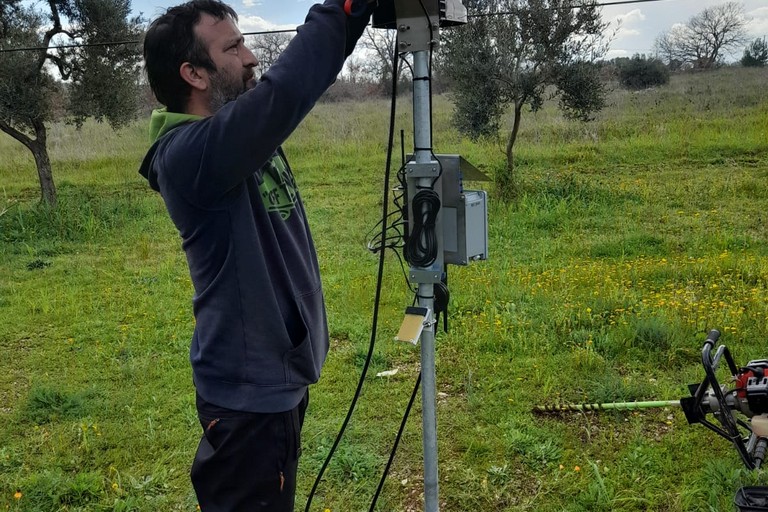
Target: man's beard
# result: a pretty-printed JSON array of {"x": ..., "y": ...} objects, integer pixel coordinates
[{"x": 226, "y": 87}]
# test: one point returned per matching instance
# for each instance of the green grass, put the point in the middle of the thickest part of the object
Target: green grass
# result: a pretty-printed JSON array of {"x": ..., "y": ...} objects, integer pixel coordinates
[{"x": 633, "y": 236}]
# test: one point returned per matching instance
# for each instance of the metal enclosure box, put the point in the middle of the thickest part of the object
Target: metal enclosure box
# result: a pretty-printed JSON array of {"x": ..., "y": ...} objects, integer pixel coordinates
[
  {"x": 409, "y": 19},
  {"x": 449, "y": 12},
  {"x": 463, "y": 213},
  {"x": 465, "y": 229}
]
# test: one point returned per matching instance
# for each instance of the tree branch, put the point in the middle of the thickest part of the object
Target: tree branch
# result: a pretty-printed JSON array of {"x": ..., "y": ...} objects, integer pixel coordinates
[
  {"x": 55, "y": 29},
  {"x": 65, "y": 69},
  {"x": 10, "y": 130},
  {"x": 48, "y": 37}
]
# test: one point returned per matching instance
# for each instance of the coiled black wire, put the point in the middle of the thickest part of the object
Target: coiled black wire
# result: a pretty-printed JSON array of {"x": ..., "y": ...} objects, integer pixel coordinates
[{"x": 421, "y": 247}]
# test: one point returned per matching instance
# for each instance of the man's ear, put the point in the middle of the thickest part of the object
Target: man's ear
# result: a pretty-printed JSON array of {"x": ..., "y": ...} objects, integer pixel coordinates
[{"x": 196, "y": 77}]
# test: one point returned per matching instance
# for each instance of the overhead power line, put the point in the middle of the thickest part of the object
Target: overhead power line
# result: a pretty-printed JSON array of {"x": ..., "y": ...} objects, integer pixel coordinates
[
  {"x": 564, "y": 8},
  {"x": 115, "y": 43}
]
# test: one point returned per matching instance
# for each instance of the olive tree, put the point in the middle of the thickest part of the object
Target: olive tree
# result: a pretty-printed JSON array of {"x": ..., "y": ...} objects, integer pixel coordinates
[
  {"x": 101, "y": 79},
  {"x": 517, "y": 53},
  {"x": 641, "y": 72}
]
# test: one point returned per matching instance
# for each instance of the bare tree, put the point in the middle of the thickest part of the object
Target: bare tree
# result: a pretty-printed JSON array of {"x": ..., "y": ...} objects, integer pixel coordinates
[
  {"x": 668, "y": 46},
  {"x": 355, "y": 69},
  {"x": 378, "y": 52},
  {"x": 706, "y": 38},
  {"x": 267, "y": 48}
]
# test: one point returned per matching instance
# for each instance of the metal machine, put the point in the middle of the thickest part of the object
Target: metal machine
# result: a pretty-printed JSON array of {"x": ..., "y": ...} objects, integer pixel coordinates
[{"x": 746, "y": 394}]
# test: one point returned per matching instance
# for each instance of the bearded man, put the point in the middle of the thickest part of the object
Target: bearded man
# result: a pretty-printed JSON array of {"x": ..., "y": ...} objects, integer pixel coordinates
[{"x": 260, "y": 335}]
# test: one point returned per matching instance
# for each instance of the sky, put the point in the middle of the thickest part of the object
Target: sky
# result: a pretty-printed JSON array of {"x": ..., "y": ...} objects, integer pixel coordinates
[
  {"x": 635, "y": 25},
  {"x": 638, "y": 25}
]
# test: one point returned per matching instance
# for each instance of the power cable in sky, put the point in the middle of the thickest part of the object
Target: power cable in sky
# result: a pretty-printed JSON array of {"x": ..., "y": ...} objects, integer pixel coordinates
[
  {"x": 114, "y": 43},
  {"x": 602, "y": 4}
]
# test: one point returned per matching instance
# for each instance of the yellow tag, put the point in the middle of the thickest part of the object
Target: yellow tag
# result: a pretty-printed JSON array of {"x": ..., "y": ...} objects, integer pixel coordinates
[{"x": 413, "y": 324}]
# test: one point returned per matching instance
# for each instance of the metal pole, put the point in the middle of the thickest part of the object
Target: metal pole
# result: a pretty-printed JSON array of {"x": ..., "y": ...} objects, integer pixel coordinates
[{"x": 422, "y": 137}]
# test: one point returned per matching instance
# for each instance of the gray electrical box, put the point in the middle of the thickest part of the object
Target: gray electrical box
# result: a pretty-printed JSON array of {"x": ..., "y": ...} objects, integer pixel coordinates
[
  {"x": 465, "y": 229},
  {"x": 463, "y": 213},
  {"x": 418, "y": 21},
  {"x": 447, "y": 12}
]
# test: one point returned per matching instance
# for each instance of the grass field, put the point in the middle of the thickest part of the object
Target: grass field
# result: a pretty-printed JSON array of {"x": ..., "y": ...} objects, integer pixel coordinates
[{"x": 634, "y": 235}]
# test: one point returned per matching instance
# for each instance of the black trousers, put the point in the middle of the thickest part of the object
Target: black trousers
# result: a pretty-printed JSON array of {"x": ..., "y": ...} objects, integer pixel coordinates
[{"x": 246, "y": 462}]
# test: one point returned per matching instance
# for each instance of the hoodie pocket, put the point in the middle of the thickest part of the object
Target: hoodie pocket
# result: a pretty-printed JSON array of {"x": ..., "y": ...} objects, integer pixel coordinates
[{"x": 304, "y": 362}]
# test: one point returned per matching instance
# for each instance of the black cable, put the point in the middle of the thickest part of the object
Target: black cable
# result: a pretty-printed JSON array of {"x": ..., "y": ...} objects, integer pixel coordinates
[
  {"x": 566, "y": 7},
  {"x": 396, "y": 444},
  {"x": 392, "y": 241},
  {"x": 375, "y": 242},
  {"x": 116, "y": 43},
  {"x": 110, "y": 43},
  {"x": 421, "y": 248},
  {"x": 395, "y": 240},
  {"x": 405, "y": 61},
  {"x": 377, "y": 299}
]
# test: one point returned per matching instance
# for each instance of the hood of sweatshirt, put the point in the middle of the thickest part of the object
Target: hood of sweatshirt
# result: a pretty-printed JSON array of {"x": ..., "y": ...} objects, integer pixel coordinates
[{"x": 160, "y": 123}]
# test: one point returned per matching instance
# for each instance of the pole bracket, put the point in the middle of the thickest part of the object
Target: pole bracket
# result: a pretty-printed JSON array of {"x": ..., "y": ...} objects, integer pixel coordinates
[
  {"x": 425, "y": 276},
  {"x": 425, "y": 170}
]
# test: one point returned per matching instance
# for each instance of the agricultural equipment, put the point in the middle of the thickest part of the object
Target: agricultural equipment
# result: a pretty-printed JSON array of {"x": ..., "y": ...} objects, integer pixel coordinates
[
  {"x": 736, "y": 410},
  {"x": 746, "y": 394}
]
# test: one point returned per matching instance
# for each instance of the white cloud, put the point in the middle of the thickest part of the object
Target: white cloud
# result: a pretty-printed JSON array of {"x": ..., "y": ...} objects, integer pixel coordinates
[
  {"x": 612, "y": 54},
  {"x": 631, "y": 17},
  {"x": 757, "y": 26},
  {"x": 760, "y": 12},
  {"x": 627, "y": 32},
  {"x": 626, "y": 24},
  {"x": 251, "y": 3},
  {"x": 678, "y": 26},
  {"x": 258, "y": 24}
]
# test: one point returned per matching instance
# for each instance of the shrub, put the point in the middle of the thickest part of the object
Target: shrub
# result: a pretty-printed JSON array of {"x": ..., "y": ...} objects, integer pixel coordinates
[
  {"x": 640, "y": 72},
  {"x": 756, "y": 54}
]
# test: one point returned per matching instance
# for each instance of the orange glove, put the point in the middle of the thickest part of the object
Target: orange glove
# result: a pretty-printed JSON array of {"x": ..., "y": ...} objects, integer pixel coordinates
[{"x": 357, "y": 7}]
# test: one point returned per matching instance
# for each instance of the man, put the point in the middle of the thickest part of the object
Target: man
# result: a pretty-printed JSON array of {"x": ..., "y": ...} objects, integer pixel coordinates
[{"x": 260, "y": 337}]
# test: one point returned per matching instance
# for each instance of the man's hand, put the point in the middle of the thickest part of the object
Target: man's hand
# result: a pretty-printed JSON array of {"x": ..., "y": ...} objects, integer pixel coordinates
[{"x": 357, "y": 8}]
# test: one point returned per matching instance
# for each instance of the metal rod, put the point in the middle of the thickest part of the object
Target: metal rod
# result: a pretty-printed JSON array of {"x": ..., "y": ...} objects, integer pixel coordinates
[
  {"x": 613, "y": 406},
  {"x": 422, "y": 138}
]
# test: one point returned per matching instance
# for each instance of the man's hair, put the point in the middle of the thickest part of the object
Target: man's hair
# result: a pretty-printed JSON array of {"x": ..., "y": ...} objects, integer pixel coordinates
[{"x": 170, "y": 41}]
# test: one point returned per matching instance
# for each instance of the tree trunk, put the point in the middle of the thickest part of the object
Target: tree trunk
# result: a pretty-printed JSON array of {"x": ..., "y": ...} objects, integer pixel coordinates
[
  {"x": 40, "y": 152},
  {"x": 507, "y": 184},
  {"x": 43, "y": 163}
]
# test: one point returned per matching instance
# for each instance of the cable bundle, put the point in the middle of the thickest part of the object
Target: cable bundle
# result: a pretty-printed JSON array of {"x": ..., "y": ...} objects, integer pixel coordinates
[{"x": 421, "y": 247}]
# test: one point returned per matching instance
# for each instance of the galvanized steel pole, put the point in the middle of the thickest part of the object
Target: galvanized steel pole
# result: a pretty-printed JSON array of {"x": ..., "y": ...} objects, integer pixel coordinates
[{"x": 422, "y": 124}]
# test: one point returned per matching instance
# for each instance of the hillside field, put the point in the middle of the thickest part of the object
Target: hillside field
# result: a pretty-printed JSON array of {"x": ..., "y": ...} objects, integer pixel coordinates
[{"x": 633, "y": 236}]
